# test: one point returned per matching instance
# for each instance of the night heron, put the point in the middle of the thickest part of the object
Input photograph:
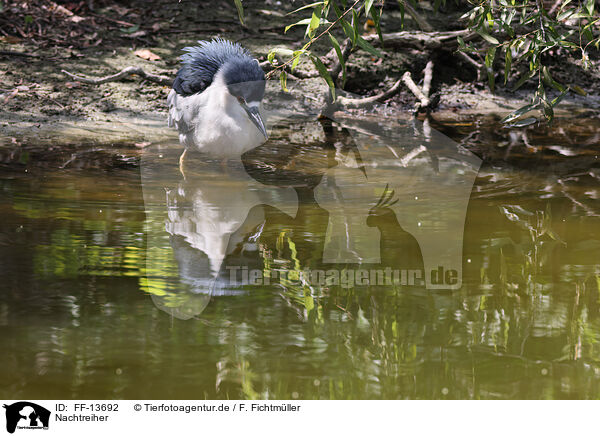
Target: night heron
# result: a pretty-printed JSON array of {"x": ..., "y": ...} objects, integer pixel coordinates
[{"x": 216, "y": 98}]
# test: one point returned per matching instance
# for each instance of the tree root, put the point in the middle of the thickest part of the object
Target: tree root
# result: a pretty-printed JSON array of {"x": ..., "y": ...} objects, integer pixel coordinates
[{"x": 162, "y": 80}]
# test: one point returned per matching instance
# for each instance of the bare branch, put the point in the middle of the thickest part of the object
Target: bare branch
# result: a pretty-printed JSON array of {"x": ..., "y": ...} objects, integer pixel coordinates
[
  {"x": 427, "y": 76},
  {"x": 362, "y": 102},
  {"x": 478, "y": 67},
  {"x": 410, "y": 84},
  {"x": 422, "y": 40},
  {"x": 162, "y": 80},
  {"x": 268, "y": 67}
]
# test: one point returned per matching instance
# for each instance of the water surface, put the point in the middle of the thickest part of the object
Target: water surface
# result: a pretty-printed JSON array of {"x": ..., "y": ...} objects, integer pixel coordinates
[{"x": 117, "y": 283}]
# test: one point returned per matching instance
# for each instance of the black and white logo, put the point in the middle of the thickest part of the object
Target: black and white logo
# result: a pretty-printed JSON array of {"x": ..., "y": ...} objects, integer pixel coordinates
[{"x": 26, "y": 415}]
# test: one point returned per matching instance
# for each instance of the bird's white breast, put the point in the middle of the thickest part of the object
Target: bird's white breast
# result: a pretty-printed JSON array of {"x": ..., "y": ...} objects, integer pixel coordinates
[{"x": 213, "y": 122}]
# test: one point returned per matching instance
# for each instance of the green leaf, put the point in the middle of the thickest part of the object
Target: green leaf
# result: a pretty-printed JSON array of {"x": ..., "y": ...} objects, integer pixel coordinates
[
  {"x": 340, "y": 56},
  {"x": 283, "y": 81},
  {"x": 565, "y": 14},
  {"x": 489, "y": 61},
  {"x": 296, "y": 60},
  {"x": 368, "y": 4},
  {"x": 521, "y": 111},
  {"x": 524, "y": 122},
  {"x": 355, "y": 23},
  {"x": 579, "y": 90},
  {"x": 550, "y": 81},
  {"x": 368, "y": 47},
  {"x": 349, "y": 31},
  {"x": 240, "y": 10},
  {"x": 560, "y": 97},
  {"x": 285, "y": 52},
  {"x": 524, "y": 79},
  {"x": 507, "y": 63},
  {"x": 322, "y": 69},
  {"x": 377, "y": 21},
  {"x": 401, "y": 4},
  {"x": 315, "y": 21},
  {"x": 305, "y": 7},
  {"x": 297, "y": 23},
  {"x": 489, "y": 38},
  {"x": 547, "y": 110},
  {"x": 589, "y": 6}
]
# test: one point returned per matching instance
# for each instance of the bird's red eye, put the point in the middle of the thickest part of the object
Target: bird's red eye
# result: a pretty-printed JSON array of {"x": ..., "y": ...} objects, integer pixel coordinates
[{"x": 241, "y": 100}]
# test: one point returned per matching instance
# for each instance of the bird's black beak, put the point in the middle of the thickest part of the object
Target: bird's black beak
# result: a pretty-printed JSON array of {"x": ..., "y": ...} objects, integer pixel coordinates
[{"x": 255, "y": 117}]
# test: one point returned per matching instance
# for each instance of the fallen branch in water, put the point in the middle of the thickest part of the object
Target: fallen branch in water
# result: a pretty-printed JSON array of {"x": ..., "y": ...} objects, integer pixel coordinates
[{"x": 162, "y": 80}]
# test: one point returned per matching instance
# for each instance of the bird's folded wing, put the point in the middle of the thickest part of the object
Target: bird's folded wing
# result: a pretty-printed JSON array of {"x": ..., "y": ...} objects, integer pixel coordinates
[{"x": 182, "y": 112}]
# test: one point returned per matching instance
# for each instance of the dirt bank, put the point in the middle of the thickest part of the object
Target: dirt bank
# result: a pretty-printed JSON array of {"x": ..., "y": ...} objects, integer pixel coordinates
[{"x": 35, "y": 93}]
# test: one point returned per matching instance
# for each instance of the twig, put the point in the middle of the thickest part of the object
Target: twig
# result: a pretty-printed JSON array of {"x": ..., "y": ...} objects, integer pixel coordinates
[
  {"x": 478, "y": 67},
  {"x": 268, "y": 67},
  {"x": 201, "y": 31},
  {"x": 17, "y": 53},
  {"x": 410, "y": 84},
  {"x": 427, "y": 76},
  {"x": 162, "y": 80},
  {"x": 104, "y": 17},
  {"x": 362, "y": 102}
]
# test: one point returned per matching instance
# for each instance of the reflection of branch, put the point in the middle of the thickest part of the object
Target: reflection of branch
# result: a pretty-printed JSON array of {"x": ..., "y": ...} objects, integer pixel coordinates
[
  {"x": 587, "y": 209},
  {"x": 405, "y": 160},
  {"x": 162, "y": 80}
]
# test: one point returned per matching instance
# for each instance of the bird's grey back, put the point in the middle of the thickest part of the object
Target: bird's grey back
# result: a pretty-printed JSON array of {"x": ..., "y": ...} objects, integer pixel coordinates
[{"x": 201, "y": 63}]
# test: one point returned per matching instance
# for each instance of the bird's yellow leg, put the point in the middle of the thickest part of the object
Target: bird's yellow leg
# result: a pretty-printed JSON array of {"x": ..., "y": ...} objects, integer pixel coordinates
[{"x": 181, "y": 163}]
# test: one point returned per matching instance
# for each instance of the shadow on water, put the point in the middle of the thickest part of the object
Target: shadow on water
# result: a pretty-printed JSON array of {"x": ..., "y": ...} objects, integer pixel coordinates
[{"x": 130, "y": 281}]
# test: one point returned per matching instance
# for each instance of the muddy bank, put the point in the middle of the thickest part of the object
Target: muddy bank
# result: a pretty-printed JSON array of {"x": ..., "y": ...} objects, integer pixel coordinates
[{"x": 35, "y": 94}]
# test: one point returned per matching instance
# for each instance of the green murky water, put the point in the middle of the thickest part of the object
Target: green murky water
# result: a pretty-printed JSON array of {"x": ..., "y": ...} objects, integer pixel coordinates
[{"x": 288, "y": 275}]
